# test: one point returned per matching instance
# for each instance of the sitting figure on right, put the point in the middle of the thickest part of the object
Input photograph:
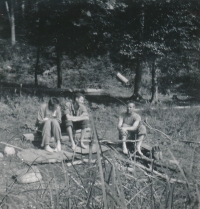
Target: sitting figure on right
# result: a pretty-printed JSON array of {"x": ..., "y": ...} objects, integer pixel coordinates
[{"x": 131, "y": 128}]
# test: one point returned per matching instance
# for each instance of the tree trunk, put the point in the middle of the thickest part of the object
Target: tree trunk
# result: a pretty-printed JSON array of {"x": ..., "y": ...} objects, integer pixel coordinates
[
  {"x": 37, "y": 65},
  {"x": 154, "y": 88},
  {"x": 12, "y": 19},
  {"x": 58, "y": 61},
  {"x": 138, "y": 82},
  {"x": 40, "y": 29},
  {"x": 138, "y": 77}
]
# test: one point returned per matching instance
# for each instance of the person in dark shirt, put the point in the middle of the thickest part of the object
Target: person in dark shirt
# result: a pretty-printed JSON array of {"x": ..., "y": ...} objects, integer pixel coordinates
[{"x": 76, "y": 117}]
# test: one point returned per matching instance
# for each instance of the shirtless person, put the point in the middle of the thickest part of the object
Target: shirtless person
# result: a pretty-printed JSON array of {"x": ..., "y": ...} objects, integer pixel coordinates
[
  {"x": 48, "y": 122},
  {"x": 76, "y": 117},
  {"x": 130, "y": 125}
]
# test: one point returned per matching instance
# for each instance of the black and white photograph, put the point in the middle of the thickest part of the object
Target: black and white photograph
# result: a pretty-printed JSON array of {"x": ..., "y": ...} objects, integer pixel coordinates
[{"x": 99, "y": 104}]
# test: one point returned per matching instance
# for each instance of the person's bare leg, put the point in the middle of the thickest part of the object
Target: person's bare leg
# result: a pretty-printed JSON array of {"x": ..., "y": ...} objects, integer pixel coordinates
[
  {"x": 124, "y": 147},
  {"x": 83, "y": 132},
  {"x": 69, "y": 131},
  {"x": 140, "y": 138},
  {"x": 123, "y": 137}
]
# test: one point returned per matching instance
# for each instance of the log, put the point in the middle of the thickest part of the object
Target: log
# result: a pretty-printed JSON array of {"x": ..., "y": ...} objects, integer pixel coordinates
[
  {"x": 144, "y": 146},
  {"x": 122, "y": 78},
  {"x": 95, "y": 92},
  {"x": 37, "y": 136}
]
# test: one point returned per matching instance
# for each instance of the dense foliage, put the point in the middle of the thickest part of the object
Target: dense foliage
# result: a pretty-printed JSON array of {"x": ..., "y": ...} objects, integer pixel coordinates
[{"x": 130, "y": 34}]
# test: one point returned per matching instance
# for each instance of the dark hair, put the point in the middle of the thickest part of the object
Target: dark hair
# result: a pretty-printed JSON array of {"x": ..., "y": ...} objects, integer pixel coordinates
[
  {"x": 78, "y": 95},
  {"x": 53, "y": 102},
  {"x": 130, "y": 102}
]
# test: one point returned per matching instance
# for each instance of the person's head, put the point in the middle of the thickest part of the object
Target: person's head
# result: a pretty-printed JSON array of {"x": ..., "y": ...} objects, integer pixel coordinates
[
  {"x": 130, "y": 107},
  {"x": 79, "y": 98},
  {"x": 53, "y": 103}
]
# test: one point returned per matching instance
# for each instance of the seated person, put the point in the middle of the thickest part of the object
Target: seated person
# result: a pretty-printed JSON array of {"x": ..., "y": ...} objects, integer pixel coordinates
[
  {"x": 129, "y": 126},
  {"x": 76, "y": 117},
  {"x": 48, "y": 122}
]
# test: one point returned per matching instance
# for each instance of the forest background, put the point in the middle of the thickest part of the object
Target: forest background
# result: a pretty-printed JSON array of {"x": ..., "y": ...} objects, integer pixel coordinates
[
  {"x": 53, "y": 47},
  {"x": 83, "y": 44}
]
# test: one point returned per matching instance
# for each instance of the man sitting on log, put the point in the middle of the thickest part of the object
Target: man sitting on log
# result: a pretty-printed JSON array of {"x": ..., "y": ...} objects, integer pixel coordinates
[
  {"x": 48, "y": 122},
  {"x": 130, "y": 127},
  {"x": 76, "y": 117}
]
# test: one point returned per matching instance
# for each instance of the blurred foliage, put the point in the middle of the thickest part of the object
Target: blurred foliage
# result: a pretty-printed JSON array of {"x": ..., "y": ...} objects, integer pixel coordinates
[{"x": 98, "y": 39}]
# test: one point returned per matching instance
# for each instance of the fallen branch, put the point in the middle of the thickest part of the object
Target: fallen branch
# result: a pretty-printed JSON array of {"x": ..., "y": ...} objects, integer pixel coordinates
[
  {"x": 146, "y": 123},
  {"x": 163, "y": 176},
  {"x": 118, "y": 141},
  {"x": 190, "y": 142},
  {"x": 192, "y": 161},
  {"x": 11, "y": 145},
  {"x": 181, "y": 170}
]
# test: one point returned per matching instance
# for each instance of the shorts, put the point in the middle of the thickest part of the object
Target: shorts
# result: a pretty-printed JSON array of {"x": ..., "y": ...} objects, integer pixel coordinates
[
  {"x": 77, "y": 125},
  {"x": 133, "y": 134}
]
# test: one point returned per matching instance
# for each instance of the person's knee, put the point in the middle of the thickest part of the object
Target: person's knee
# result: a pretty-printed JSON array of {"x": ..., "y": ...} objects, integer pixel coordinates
[
  {"x": 54, "y": 122},
  {"x": 69, "y": 128},
  {"x": 141, "y": 137},
  {"x": 122, "y": 133},
  {"x": 68, "y": 123},
  {"x": 142, "y": 130},
  {"x": 84, "y": 124},
  {"x": 47, "y": 123}
]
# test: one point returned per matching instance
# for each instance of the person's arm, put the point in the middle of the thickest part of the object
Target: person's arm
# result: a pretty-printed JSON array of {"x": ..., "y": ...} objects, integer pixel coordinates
[
  {"x": 120, "y": 123},
  {"x": 58, "y": 114},
  {"x": 41, "y": 117},
  {"x": 77, "y": 118},
  {"x": 83, "y": 116},
  {"x": 133, "y": 127},
  {"x": 68, "y": 110}
]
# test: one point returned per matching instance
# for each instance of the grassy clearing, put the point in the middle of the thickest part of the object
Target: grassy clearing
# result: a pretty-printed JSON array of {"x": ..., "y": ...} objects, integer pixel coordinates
[{"x": 114, "y": 181}]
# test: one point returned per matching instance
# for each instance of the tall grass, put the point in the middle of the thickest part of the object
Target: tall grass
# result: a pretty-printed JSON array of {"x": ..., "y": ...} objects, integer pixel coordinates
[{"x": 113, "y": 180}]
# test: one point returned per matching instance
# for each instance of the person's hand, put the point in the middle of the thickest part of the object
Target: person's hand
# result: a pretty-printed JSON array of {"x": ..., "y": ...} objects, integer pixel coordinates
[
  {"x": 124, "y": 129},
  {"x": 45, "y": 119}
]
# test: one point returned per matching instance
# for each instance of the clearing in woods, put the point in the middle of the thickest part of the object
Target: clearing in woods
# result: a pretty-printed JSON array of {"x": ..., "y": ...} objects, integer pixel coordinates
[{"x": 113, "y": 180}]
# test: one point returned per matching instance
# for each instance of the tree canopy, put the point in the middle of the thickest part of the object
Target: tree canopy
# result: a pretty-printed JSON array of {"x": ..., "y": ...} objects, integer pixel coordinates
[{"x": 130, "y": 32}]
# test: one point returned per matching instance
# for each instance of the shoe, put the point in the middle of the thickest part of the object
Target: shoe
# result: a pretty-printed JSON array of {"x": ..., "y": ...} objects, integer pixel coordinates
[
  {"x": 48, "y": 148},
  {"x": 58, "y": 147}
]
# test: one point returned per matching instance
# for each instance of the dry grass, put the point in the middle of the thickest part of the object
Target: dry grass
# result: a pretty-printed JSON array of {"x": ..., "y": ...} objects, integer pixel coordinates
[{"x": 114, "y": 180}]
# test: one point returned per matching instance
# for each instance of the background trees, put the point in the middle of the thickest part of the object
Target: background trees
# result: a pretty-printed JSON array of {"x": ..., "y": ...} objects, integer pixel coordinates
[{"x": 134, "y": 37}]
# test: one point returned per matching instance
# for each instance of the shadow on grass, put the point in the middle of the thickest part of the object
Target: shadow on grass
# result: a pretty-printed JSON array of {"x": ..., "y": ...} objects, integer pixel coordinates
[{"x": 106, "y": 99}]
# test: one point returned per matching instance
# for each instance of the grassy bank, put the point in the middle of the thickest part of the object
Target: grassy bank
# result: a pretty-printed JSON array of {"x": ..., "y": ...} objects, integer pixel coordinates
[{"x": 126, "y": 182}]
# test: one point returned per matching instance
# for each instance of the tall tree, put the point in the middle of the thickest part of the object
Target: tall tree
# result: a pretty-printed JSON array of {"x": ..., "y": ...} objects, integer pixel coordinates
[
  {"x": 138, "y": 72},
  {"x": 58, "y": 62},
  {"x": 11, "y": 17}
]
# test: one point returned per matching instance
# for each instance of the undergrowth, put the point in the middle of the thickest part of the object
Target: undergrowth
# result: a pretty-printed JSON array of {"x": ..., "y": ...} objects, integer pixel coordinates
[{"x": 113, "y": 180}]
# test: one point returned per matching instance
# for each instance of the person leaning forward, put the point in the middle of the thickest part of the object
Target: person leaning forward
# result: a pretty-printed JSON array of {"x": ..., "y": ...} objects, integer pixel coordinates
[
  {"x": 130, "y": 127},
  {"x": 48, "y": 122},
  {"x": 76, "y": 117}
]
